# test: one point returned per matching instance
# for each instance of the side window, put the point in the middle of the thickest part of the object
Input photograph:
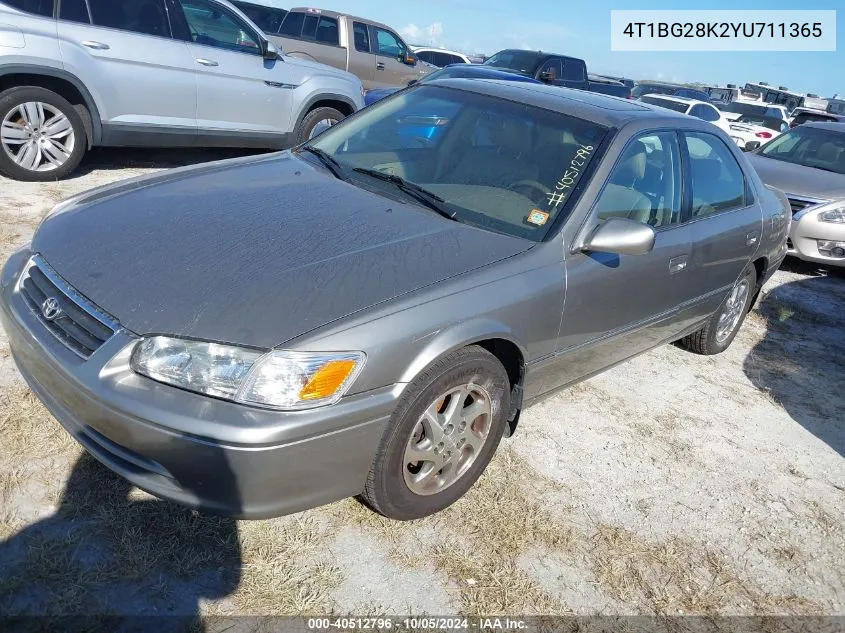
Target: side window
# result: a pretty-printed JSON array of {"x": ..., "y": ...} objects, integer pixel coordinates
[
  {"x": 362, "y": 37},
  {"x": 426, "y": 56},
  {"x": 309, "y": 27},
  {"x": 718, "y": 183},
  {"x": 38, "y": 7},
  {"x": 139, "y": 16},
  {"x": 645, "y": 184},
  {"x": 211, "y": 25},
  {"x": 551, "y": 66},
  {"x": 388, "y": 44},
  {"x": 442, "y": 59},
  {"x": 704, "y": 112},
  {"x": 75, "y": 11},
  {"x": 327, "y": 31},
  {"x": 574, "y": 70},
  {"x": 292, "y": 24}
]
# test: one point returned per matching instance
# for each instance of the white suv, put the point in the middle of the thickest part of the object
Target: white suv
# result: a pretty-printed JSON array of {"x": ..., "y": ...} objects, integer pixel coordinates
[{"x": 163, "y": 73}]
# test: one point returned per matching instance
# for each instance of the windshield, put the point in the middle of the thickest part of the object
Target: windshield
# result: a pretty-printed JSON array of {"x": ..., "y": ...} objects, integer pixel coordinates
[
  {"x": 822, "y": 148},
  {"x": 522, "y": 61},
  {"x": 777, "y": 124},
  {"x": 677, "y": 106},
  {"x": 493, "y": 163},
  {"x": 754, "y": 109}
]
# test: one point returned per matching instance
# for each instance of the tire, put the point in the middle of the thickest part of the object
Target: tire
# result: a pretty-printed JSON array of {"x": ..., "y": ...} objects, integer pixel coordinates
[
  {"x": 308, "y": 126},
  {"x": 390, "y": 489},
  {"x": 58, "y": 154},
  {"x": 711, "y": 339}
]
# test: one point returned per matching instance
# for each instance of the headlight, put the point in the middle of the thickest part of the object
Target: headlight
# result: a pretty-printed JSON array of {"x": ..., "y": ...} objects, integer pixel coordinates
[
  {"x": 276, "y": 380},
  {"x": 835, "y": 216}
]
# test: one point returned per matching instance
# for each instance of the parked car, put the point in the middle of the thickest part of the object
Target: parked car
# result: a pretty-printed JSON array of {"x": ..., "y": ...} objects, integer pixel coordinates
[
  {"x": 455, "y": 71},
  {"x": 662, "y": 88},
  {"x": 554, "y": 69},
  {"x": 142, "y": 73},
  {"x": 753, "y": 128},
  {"x": 805, "y": 115},
  {"x": 370, "y": 50},
  {"x": 735, "y": 109},
  {"x": 440, "y": 57},
  {"x": 374, "y": 318},
  {"x": 684, "y": 105},
  {"x": 266, "y": 16},
  {"x": 808, "y": 163}
]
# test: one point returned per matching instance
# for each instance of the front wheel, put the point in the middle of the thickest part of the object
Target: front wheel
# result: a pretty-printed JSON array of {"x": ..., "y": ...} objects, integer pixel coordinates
[
  {"x": 722, "y": 327},
  {"x": 316, "y": 122},
  {"x": 441, "y": 437},
  {"x": 42, "y": 136}
]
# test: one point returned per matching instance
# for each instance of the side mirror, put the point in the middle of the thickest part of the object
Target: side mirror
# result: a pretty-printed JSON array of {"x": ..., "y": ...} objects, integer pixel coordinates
[
  {"x": 547, "y": 77},
  {"x": 621, "y": 236},
  {"x": 409, "y": 59},
  {"x": 271, "y": 51},
  {"x": 751, "y": 145}
]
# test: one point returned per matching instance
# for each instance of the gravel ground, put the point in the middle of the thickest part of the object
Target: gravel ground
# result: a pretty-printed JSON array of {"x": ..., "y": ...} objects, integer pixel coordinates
[{"x": 672, "y": 484}]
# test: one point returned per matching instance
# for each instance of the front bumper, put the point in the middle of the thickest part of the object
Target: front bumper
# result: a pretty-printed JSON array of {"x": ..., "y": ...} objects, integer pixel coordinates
[
  {"x": 805, "y": 234},
  {"x": 202, "y": 452}
]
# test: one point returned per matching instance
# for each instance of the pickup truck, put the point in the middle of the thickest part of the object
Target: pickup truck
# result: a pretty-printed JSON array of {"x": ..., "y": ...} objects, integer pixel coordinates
[
  {"x": 559, "y": 70},
  {"x": 372, "y": 51}
]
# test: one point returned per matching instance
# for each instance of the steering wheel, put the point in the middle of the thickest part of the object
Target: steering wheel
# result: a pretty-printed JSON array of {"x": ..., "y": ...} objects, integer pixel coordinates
[{"x": 531, "y": 185}]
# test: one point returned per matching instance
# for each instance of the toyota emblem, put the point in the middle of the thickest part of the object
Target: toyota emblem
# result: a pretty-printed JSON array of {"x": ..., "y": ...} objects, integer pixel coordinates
[{"x": 51, "y": 309}]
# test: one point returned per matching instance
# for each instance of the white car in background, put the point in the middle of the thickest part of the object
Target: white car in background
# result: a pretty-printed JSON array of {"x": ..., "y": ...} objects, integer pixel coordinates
[
  {"x": 735, "y": 109},
  {"x": 440, "y": 57},
  {"x": 692, "y": 107},
  {"x": 756, "y": 128}
]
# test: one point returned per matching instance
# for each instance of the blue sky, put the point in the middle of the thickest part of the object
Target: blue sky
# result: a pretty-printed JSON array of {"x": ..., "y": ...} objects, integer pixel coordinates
[{"x": 582, "y": 28}]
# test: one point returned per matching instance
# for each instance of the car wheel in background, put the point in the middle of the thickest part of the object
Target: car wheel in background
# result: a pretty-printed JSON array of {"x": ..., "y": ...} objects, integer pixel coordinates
[
  {"x": 721, "y": 328},
  {"x": 441, "y": 437},
  {"x": 316, "y": 122},
  {"x": 42, "y": 136}
]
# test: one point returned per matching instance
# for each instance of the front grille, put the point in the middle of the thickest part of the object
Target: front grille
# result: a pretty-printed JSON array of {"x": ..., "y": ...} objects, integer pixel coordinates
[{"x": 71, "y": 318}]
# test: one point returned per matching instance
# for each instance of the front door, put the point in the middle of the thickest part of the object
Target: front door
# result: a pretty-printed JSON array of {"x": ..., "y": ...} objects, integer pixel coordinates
[
  {"x": 125, "y": 50},
  {"x": 726, "y": 222},
  {"x": 620, "y": 305},
  {"x": 391, "y": 51},
  {"x": 239, "y": 93}
]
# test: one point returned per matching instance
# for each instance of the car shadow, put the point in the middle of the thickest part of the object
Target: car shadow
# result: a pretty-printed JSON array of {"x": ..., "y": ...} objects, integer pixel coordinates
[
  {"x": 110, "y": 556},
  {"x": 110, "y": 158},
  {"x": 799, "y": 360}
]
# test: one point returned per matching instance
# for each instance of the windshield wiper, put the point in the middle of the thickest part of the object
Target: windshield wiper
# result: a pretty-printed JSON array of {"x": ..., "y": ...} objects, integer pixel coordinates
[
  {"x": 328, "y": 160},
  {"x": 420, "y": 194}
]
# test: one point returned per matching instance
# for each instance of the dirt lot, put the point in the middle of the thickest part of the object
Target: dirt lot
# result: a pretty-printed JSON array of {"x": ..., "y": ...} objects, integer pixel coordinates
[{"x": 672, "y": 484}]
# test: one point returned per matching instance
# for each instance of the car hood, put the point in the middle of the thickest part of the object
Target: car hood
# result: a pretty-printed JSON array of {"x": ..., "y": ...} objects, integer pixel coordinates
[
  {"x": 254, "y": 251},
  {"x": 377, "y": 94},
  {"x": 798, "y": 179}
]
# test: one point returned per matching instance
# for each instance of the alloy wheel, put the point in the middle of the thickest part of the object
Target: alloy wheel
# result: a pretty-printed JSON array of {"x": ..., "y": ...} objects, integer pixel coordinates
[
  {"x": 37, "y": 136},
  {"x": 731, "y": 314},
  {"x": 321, "y": 126},
  {"x": 447, "y": 439}
]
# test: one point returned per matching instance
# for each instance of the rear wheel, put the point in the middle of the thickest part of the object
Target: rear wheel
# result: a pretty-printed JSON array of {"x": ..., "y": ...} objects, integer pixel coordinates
[
  {"x": 316, "y": 122},
  {"x": 721, "y": 329},
  {"x": 42, "y": 136},
  {"x": 441, "y": 437}
]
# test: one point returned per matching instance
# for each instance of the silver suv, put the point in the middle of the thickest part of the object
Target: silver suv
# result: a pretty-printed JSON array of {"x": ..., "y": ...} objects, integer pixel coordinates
[{"x": 166, "y": 73}]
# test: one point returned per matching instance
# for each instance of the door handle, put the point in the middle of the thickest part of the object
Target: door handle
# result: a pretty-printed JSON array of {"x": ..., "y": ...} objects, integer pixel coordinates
[
  {"x": 207, "y": 62},
  {"x": 751, "y": 239},
  {"x": 677, "y": 264},
  {"x": 97, "y": 46},
  {"x": 380, "y": 66}
]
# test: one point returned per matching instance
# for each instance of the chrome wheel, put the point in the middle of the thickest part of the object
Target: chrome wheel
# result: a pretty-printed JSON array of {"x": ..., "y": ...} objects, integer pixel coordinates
[
  {"x": 731, "y": 314},
  {"x": 37, "y": 136},
  {"x": 321, "y": 126},
  {"x": 447, "y": 439}
]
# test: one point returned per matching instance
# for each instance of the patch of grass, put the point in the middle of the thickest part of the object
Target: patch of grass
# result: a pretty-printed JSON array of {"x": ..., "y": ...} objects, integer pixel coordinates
[{"x": 28, "y": 429}]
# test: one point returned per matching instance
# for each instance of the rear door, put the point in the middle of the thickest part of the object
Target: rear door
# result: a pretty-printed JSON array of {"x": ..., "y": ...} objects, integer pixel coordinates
[
  {"x": 311, "y": 35},
  {"x": 620, "y": 305},
  {"x": 144, "y": 78},
  {"x": 725, "y": 219},
  {"x": 362, "y": 57},
  {"x": 241, "y": 97}
]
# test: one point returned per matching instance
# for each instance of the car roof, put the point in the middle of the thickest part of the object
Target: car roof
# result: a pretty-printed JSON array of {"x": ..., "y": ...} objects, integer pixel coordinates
[
  {"x": 686, "y": 100},
  {"x": 598, "y": 108},
  {"x": 830, "y": 126},
  {"x": 434, "y": 49},
  {"x": 538, "y": 54}
]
